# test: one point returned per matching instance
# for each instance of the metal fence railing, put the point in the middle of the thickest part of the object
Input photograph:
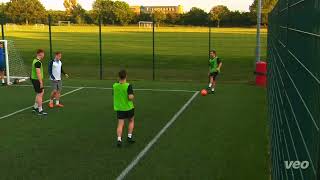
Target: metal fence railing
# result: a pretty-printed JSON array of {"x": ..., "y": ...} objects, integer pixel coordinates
[
  {"x": 171, "y": 53},
  {"x": 294, "y": 89}
]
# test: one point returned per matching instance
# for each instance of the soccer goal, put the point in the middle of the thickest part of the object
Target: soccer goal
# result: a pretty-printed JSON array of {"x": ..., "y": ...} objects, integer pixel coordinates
[
  {"x": 15, "y": 67},
  {"x": 64, "y": 23},
  {"x": 145, "y": 24}
]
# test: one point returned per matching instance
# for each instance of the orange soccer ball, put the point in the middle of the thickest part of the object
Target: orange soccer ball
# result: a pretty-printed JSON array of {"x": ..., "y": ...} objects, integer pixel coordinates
[{"x": 204, "y": 92}]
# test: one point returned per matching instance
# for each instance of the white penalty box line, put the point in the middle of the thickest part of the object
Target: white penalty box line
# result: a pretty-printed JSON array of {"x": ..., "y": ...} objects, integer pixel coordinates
[
  {"x": 147, "y": 148},
  {"x": 28, "y": 108},
  {"x": 136, "y": 160},
  {"x": 138, "y": 89}
]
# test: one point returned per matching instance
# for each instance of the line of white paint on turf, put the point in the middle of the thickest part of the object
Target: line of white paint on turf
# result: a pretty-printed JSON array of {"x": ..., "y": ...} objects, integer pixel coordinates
[
  {"x": 156, "y": 90},
  {"x": 25, "y": 85},
  {"x": 27, "y": 108},
  {"x": 139, "y": 89},
  {"x": 136, "y": 160}
]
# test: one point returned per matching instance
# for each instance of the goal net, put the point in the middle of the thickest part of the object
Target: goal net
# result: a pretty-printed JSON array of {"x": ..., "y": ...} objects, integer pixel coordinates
[
  {"x": 145, "y": 24},
  {"x": 64, "y": 23},
  {"x": 15, "y": 70}
]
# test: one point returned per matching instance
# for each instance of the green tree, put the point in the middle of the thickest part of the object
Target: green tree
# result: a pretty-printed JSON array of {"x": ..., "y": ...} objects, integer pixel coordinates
[
  {"x": 173, "y": 18},
  {"x": 3, "y": 7},
  {"x": 196, "y": 17},
  {"x": 217, "y": 13},
  {"x": 267, "y": 6},
  {"x": 143, "y": 17},
  {"x": 89, "y": 17},
  {"x": 239, "y": 19},
  {"x": 78, "y": 14},
  {"x": 159, "y": 16},
  {"x": 114, "y": 12},
  {"x": 105, "y": 9},
  {"x": 122, "y": 12},
  {"x": 26, "y": 11},
  {"x": 58, "y": 15},
  {"x": 70, "y": 5}
]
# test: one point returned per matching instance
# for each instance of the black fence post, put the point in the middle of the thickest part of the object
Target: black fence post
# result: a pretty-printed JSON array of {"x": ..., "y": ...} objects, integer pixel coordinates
[
  {"x": 209, "y": 26},
  {"x": 100, "y": 47},
  {"x": 153, "y": 49},
  {"x": 2, "y": 24},
  {"x": 2, "y": 28},
  {"x": 50, "y": 35}
]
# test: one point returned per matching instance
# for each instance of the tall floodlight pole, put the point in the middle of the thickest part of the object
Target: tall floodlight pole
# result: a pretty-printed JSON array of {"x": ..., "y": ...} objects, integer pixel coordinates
[{"x": 258, "y": 46}]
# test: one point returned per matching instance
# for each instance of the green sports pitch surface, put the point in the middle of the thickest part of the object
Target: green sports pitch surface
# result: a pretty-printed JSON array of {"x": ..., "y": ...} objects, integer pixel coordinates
[{"x": 180, "y": 134}]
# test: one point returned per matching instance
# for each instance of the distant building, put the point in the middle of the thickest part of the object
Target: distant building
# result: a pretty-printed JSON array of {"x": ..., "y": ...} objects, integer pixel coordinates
[
  {"x": 136, "y": 9},
  {"x": 151, "y": 9}
]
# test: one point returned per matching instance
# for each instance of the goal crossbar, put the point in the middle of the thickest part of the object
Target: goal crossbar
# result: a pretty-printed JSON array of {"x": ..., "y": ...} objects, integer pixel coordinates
[
  {"x": 64, "y": 22},
  {"x": 145, "y": 24}
]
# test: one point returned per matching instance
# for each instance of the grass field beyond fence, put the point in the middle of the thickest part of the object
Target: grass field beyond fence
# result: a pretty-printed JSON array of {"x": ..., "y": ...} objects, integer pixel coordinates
[{"x": 181, "y": 52}]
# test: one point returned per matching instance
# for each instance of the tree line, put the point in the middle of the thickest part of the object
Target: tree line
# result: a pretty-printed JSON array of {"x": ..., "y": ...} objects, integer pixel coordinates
[{"x": 119, "y": 13}]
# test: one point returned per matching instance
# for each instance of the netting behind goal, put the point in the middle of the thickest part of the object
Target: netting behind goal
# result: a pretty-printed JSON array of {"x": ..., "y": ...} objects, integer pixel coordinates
[{"x": 15, "y": 66}]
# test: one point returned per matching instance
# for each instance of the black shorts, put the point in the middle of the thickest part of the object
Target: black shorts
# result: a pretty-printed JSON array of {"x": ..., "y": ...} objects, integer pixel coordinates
[
  {"x": 36, "y": 86},
  {"x": 125, "y": 114},
  {"x": 214, "y": 75}
]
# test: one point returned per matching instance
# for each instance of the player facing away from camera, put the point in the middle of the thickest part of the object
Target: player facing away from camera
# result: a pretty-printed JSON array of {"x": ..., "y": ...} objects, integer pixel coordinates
[
  {"x": 2, "y": 64},
  {"x": 55, "y": 72},
  {"x": 215, "y": 65},
  {"x": 37, "y": 82},
  {"x": 123, "y": 105}
]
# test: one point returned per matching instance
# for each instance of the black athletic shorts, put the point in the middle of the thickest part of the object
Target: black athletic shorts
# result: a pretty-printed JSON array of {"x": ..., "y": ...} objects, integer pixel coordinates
[
  {"x": 214, "y": 75},
  {"x": 125, "y": 114},
  {"x": 36, "y": 86}
]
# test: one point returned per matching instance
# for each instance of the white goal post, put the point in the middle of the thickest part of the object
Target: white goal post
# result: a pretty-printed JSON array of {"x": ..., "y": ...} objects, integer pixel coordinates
[
  {"x": 60, "y": 23},
  {"x": 145, "y": 24},
  {"x": 14, "y": 66}
]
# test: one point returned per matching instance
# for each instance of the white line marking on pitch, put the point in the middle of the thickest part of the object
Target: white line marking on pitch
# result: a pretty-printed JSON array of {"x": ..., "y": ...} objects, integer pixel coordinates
[
  {"x": 27, "y": 108},
  {"x": 155, "y": 139},
  {"x": 105, "y": 88}
]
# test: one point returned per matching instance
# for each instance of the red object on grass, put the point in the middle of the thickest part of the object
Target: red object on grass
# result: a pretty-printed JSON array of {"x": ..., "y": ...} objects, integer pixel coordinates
[
  {"x": 261, "y": 73},
  {"x": 204, "y": 92}
]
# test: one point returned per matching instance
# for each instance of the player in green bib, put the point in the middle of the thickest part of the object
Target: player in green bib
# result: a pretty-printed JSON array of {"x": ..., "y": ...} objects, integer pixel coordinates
[
  {"x": 123, "y": 105},
  {"x": 215, "y": 65},
  {"x": 37, "y": 82}
]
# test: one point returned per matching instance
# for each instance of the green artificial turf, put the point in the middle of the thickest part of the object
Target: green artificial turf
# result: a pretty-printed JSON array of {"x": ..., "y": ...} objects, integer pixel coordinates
[{"x": 221, "y": 136}]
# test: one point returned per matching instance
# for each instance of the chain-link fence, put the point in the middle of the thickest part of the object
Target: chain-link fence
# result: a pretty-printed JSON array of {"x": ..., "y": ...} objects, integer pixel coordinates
[
  {"x": 175, "y": 53},
  {"x": 294, "y": 89}
]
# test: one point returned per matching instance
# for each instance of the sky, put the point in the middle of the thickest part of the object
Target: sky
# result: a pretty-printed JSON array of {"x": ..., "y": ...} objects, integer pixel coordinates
[{"x": 241, "y": 5}]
